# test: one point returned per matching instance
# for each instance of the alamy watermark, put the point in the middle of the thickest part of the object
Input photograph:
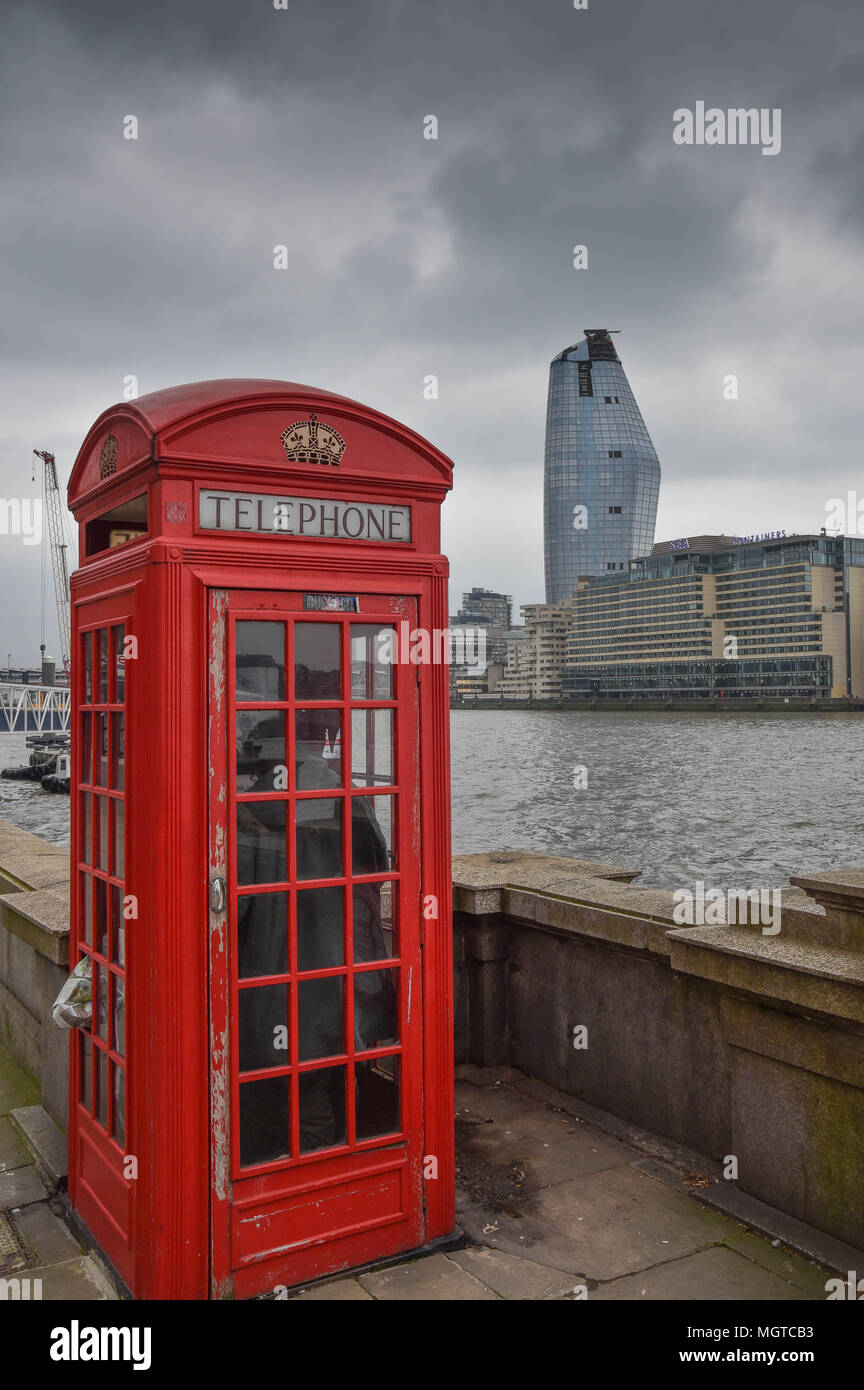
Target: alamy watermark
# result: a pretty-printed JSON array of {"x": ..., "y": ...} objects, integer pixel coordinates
[
  {"x": 735, "y": 126},
  {"x": 22, "y": 516},
  {"x": 714, "y": 907}
]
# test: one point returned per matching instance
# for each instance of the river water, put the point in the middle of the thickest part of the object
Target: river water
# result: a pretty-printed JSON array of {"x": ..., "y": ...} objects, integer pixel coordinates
[{"x": 737, "y": 800}]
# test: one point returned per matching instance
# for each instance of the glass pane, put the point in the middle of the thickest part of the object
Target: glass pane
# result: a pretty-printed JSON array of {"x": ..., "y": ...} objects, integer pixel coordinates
[
  {"x": 320, "y": 928},
  {"x": 259, "y": 659},
  {"x": 262, "y": 935},
  {"x": 118, "y": 927},
  {"x": 263, "y": 1027},
  {"x": 118, "y": 750},
  {"x": 87, "y": 663},
  {"x": 100, "y": 916},
  {"x": 322, "y": 1109},
  {"x": 100, "y": 1000},
  {"x": 375, "y": 1008},
  {"x": 372, "y": 834},
  {"x": 377, "y": 1097},
  {"x": 261, "y": 751},
  {"x": 85, "y": 1077},
  {"x": 118, "y": 988},
  {"x": 317, "y": 663},
  {"x": 86, "y": 828},
  {"x": 261, "y": 842},
  {"x": 119, "y": 841},
  {"x": 319, "y": 838},
  {"x": 86, "y": 907},
  {"x": 104, "y": 843},
  {"x": 374, "y": 921},
  {"x": 318, "y": 748},
  {"x": 119, "y": 1126},
  {"x": 372, "y": 747},
  {"x": 119, "y": 634},
  {"x": 100, "y": 767},
  {"x": 87, "y": 748},
  {"x": 373, "y": 651},
  {"x": 101, "y": 1087},
  {"x": 320, "y": 1020},
  {"x": 103, "y": 665},
  {"x": 265, "y": 1120}
]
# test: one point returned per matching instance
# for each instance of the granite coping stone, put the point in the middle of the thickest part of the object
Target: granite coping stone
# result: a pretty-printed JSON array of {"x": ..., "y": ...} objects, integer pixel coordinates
[{"x": 41, "y": 918}]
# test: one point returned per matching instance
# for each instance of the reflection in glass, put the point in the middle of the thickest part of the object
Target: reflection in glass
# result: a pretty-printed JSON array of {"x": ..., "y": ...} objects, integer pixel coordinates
[
  {"x": 263, "y": 1027},
  {"x": 372, "y": 747},
  {"x": 104, "y": 844},
  {"x": 86, "y": 828},
  {"x": 320, "y": 1026},
  {"x": 119, "y": 1016},
  {"x": 118, "y": 927},
  {"x": 317, "y": 664},
  {"x": 318, "y": 831},
  {"x": 100, "y": 990},
  {"x": 103, "y": 666},
  {"x": 118, "y": 634},
  {"x": 261, "y": 842},
  {"x": 265, "y": 1120},
  {"x": 374, "y": 921},
  {"x": 261, "y": 751},
  {"x": 119, "y": 1126},
  {"x": 119, "y": 841},
  {"x": 375, "y": 1008},
  {"x": 373, "y": 652},
  {"x": 318, "y": 738},
  {"x": 87, "y": 662},
  {"x": 102, "y": 748},
  {"x": 260, "y": 660},
  {"x": 262, "y": 935},
  {"x": 101, "y": 1087},
  {"x": 377, "y": 1097},
  {"x": 322, "y": 1108},
  {"x": 118, "y": 752},
  {"x": 86, "y": 908},
  {"x": 320, "y": 933},
  {"x": 372, "y": 834},
  {"x": 86, "y": 1073},
  {"x": 100, "y": 920},
  {"x": 87, "y": 748}
]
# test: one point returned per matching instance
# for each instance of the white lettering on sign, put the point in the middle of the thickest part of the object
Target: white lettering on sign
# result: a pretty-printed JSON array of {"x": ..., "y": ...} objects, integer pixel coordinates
[{"x": 266, "y": 513}]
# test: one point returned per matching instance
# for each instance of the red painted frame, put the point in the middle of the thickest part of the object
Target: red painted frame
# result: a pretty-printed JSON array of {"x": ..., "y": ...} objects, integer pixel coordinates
[{"x": 227, "y": 435}]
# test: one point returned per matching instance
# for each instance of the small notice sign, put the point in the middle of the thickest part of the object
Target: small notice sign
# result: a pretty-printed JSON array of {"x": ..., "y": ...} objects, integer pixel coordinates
[
  {"x": 324, "y": 603},
  {"x": 277, "y": 514}
]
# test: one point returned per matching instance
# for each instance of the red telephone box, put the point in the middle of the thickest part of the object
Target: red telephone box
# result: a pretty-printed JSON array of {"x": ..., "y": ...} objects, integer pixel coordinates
[{"x": 260, "y": 840}]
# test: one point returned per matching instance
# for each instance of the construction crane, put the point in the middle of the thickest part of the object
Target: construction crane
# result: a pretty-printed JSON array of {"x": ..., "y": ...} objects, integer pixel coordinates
[{"x": 59, "y": 545}]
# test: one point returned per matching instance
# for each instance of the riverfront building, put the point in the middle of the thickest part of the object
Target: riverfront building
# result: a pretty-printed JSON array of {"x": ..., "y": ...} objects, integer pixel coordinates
[
  {"x": 720, "y": 615},
  {"x": 602, "y": 475},
  {"x": 535, "y": 662}
]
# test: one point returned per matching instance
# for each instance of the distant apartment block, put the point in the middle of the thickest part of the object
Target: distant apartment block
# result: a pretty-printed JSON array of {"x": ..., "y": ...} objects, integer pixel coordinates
[
  {"x": 710, "y": 615},
  {"x": 535, "y": 662},
  {"x": 485, "y": 608}
]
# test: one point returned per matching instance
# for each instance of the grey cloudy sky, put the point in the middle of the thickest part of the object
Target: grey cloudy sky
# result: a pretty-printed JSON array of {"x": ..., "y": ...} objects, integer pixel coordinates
[{"x": 304, "y": 126}]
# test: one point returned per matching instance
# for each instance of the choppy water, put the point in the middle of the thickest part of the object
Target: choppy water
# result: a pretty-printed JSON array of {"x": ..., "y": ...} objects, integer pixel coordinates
[{"x": 737, "y": 800}]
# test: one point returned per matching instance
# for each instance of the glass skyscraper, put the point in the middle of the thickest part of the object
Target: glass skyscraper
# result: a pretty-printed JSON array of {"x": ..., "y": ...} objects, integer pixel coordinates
[{"x": 602, "y": 475}]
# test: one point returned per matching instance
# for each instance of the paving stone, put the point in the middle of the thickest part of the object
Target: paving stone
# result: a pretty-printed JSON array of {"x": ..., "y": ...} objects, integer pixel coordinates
[
  {"x": 73, "y": 1280},
  {"x": 434, "y": 1278},
  {"x": 809, "y": 1278},
  {"x": 719, "y": 1273},
  {"x": 45, "y": 1140},
  {"x": 21, "y": 1186},
  {"x": 49, "y": 1237},
  {"x": 513, "y": 1277},
  {"x": 13, "y": 1151},
  {"x": 342, "y": 1291}
]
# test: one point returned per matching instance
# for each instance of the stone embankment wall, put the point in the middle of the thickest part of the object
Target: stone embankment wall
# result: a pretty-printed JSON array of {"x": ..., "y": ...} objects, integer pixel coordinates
[{"x": 722, "y": 1038}]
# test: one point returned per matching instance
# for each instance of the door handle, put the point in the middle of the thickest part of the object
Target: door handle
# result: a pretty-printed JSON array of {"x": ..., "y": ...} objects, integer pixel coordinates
[{"x": 218, "y": 894}]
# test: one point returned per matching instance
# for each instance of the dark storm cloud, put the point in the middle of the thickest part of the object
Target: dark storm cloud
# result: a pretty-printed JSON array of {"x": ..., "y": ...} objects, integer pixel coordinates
[{"x": 407, "y": 257}]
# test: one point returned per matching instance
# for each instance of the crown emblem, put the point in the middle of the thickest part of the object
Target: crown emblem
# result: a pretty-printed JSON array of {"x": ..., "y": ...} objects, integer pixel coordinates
[
  {"x": 308, "y": 441},
  {"x": 108, "y": 457}
]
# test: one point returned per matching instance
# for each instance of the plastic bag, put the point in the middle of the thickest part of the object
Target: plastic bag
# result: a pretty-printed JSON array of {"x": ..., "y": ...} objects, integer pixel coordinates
[{"x": 73, "y": 1007}]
